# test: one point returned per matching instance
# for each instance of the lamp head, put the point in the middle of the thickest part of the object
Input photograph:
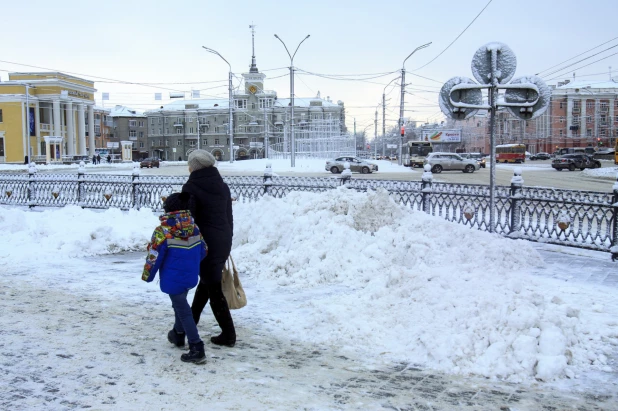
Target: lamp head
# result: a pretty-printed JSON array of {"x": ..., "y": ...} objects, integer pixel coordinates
[{"x": 276, "y": 36}]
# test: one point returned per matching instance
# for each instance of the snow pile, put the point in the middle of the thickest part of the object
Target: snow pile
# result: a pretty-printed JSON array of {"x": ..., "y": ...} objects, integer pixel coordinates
[
  {"x": 418, "y": 289},
  {"x": 73, "y": 232}
]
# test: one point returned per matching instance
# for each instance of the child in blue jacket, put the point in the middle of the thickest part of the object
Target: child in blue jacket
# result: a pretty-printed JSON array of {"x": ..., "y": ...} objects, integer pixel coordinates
[{"x": 175, "y": 251}]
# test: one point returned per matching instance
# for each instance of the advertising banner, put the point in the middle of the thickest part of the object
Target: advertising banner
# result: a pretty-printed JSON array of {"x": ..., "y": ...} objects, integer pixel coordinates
[
  {"x": 31, "y": 121},
  {"x": 441, "y": 136}
]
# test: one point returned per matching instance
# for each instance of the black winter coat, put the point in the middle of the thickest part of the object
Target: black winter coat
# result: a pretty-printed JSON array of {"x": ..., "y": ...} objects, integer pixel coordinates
[{"x": 211, "y": 207}]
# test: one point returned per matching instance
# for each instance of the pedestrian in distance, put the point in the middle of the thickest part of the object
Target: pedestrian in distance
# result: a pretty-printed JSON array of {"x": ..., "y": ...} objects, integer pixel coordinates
[
  {"x": 212, "y": 210},
  {"x": 98, "y": 159},
  {"x": 94, "y": 159},
  {"x": 175, "y": 251},
  {"x": 109, "y": 159}
]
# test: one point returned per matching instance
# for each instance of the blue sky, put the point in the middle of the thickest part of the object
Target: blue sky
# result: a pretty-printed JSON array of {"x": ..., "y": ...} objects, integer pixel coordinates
[{"x": 160, "y": 42}]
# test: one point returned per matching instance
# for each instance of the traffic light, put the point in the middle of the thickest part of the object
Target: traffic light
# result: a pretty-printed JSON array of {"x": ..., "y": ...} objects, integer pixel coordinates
[
  {"x": 599, "y": 142},
  {"x": 403, "y": 131}
]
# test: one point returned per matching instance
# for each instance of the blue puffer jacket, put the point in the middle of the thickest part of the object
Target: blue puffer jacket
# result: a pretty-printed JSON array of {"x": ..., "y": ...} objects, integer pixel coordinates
[{"x": 175, "y": 250}]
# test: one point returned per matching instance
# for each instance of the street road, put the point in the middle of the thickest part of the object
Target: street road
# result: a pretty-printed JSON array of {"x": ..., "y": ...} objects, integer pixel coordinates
[{"x": 535, "y": 173}]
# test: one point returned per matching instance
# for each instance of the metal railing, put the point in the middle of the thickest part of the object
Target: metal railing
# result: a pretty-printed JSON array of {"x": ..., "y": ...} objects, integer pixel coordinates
[{"x": 583, "y": 219}]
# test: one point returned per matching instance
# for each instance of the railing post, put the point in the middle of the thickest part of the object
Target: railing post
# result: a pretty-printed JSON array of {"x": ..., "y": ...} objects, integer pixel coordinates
[
  {"x": 268, "y": 179},
  {"x": 517, "y": 183},
  {"x": 346, "y": 175},
  {"x": 81, "y": 172},
  {"x": 134, "y": 186},
  {"x": 614, "y": 247},
  {"x": 426, "y": 188},
  {"x": 31, "y": 178}
]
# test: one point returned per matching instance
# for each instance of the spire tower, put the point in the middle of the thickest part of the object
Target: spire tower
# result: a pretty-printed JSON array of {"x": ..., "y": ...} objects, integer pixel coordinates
[{"x": 253, "y": 68}]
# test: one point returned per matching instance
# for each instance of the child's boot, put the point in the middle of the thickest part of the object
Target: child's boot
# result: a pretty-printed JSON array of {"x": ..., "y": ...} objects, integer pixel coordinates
[
  {"x": 176, "y": 338},
  {"x": 196, "y": 353}
]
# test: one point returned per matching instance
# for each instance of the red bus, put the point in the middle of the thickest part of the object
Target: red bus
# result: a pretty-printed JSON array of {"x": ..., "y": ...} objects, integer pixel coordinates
[{"x": 510, "y": 153}]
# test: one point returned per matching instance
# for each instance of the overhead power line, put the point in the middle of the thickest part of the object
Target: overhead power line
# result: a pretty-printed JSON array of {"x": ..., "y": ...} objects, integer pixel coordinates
[
  {"x": 456, "y": 38},
  {"x": 581, "y": 54},
  {"x": 579, "y": 61}
]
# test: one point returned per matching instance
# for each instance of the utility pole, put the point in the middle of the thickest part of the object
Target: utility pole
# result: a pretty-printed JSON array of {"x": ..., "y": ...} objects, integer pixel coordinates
[
  {"x": 376, "y": 134},
  {"x": 403, "y": 90},
  {"x": 383, "y": 120},
  {"x": 28, "y": 159},
  {"x": 198, "y": 130}
]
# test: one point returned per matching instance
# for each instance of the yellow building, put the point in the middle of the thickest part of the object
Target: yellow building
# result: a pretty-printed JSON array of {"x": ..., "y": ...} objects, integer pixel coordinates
[{"x": 43, "y": 116}]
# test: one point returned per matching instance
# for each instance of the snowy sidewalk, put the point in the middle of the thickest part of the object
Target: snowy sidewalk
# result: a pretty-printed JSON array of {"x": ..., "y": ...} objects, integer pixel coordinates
[{"x": 79, "y": 335}]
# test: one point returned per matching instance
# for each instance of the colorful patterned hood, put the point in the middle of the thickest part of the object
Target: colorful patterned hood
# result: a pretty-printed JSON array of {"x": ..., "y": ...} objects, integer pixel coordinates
[{"x": 177, "y": 224}]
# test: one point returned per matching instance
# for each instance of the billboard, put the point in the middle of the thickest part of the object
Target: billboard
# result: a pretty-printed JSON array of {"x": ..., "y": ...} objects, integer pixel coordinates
[{"x": 441, "y": 136}]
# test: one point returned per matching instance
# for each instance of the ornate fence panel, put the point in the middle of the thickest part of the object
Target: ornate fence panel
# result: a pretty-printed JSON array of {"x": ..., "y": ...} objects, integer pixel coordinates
[{"x": 582, "y": 219}]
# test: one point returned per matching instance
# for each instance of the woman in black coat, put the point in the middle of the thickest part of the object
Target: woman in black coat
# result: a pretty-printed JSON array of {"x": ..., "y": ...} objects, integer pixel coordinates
[{"x": 212, "y": 210}]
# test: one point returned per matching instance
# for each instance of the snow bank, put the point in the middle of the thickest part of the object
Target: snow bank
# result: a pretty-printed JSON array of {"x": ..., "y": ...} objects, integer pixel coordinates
[{"x": 420, "y": 289}]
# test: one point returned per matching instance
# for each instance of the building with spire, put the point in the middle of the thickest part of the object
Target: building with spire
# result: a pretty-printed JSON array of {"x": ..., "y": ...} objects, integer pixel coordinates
[{"x": 261, "y": 124}]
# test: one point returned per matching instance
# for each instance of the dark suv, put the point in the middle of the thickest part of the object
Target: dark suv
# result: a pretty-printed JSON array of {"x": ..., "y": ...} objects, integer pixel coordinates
[{"x": 573, "y": 161}]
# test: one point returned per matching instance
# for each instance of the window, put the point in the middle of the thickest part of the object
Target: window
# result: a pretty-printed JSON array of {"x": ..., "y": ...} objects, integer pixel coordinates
[
  {"x": 561, "y": 105},
  {"x": 141, "y": 124},
  {"x": 191, "y": 130},
  {"x": 179, "y": 142},
  {"x": 132, "y": 133},
  {"x": 141, "y": 134},
  {"x": 253, "y": 106},
  {"x": 178, "y": 131},
  {"x": 588, "y": 119},
  {"x": 152, "y": 121},
  {"x": 205, "y": 142},
  {"x": 152, "y": 143},
  {"x": 192, "y": 143},
  {"x": 132, "y": 123},
  {"x": 216, "y": 141},
  {"x": 159, "y": 130},
  {"x": 240, "y": 103},
  {"x": 190, "y": 119},
  {"x": 602, "y": 133},
  {"x": 167, "y": 143},
  {"x": 561, "y": 119},
  {"x": 159, "y": 120},
  {"x": 97, "y": 129},
  {"x": 266, "y": 102},
  {"x": 141, "y": 144},
  {"x": 167, "y": 130},
  {"x": 560, "y": 133},
  {"x": 589, "y": 132},
  {"x": 165, "y": 120},
  {"x": 589, "y": 104}
]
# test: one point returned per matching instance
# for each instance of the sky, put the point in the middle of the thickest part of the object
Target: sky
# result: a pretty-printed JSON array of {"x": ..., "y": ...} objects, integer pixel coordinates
[
  {"x": 156, "y": 42},
  {"x": 447, "y": 299}
]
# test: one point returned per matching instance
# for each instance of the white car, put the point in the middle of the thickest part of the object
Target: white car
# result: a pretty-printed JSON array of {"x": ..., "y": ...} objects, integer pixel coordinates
[
  {"x": 356, "y": 165},
  {"x": 450, "y": 161}
]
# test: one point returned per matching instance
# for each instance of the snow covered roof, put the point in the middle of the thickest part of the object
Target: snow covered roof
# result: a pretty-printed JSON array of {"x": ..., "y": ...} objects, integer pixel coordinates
[
  {"x": 201, "y": 104},
  {"x": 305, "y": 102},
  {"x": 122, "y": 111},
  {"x": 223, "y": 104}
]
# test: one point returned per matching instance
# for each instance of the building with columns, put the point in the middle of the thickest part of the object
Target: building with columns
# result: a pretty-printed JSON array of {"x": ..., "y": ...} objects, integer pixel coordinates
[{"x": 43, "y": 117}]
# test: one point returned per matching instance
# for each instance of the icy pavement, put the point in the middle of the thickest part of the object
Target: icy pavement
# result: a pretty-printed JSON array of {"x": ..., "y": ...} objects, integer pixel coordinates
[{"x": 82, "y": 338}]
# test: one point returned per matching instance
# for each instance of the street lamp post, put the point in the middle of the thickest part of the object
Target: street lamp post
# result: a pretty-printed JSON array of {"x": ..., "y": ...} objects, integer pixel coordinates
[
  {"x": 231, "y": 104},
  {"x": 403, "y": 90},
  {"x": 384, "y": 115},
  {"x": 292, "y": 140}
]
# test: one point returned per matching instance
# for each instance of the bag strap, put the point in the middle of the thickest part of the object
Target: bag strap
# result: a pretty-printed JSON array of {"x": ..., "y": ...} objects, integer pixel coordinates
[{"x": 236, "y": 279}]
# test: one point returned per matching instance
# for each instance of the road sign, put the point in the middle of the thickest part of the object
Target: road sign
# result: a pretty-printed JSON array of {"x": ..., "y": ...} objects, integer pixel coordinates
[
  {"x": 111, "y": 144},
  {"x": 528, "y": 96},
  {"x": 505, "y": 60},
  {"x": 447, "y": 98},
  {"x": 391, "y": 146}
]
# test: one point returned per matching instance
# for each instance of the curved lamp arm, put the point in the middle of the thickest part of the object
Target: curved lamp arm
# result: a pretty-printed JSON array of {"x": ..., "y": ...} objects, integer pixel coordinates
[{"x": 415, "y": 50}]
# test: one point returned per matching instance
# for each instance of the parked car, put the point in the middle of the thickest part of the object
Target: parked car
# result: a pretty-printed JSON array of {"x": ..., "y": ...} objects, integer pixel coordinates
[
  {"x": 540, "y": 156},
  {"x": 356, "y": 165},
  {"x": 479, "y": 157},
  {"x": 573, "y": 161},
  {"x": 450, "y": 161},
  {"x": 149, "y": 163}
]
